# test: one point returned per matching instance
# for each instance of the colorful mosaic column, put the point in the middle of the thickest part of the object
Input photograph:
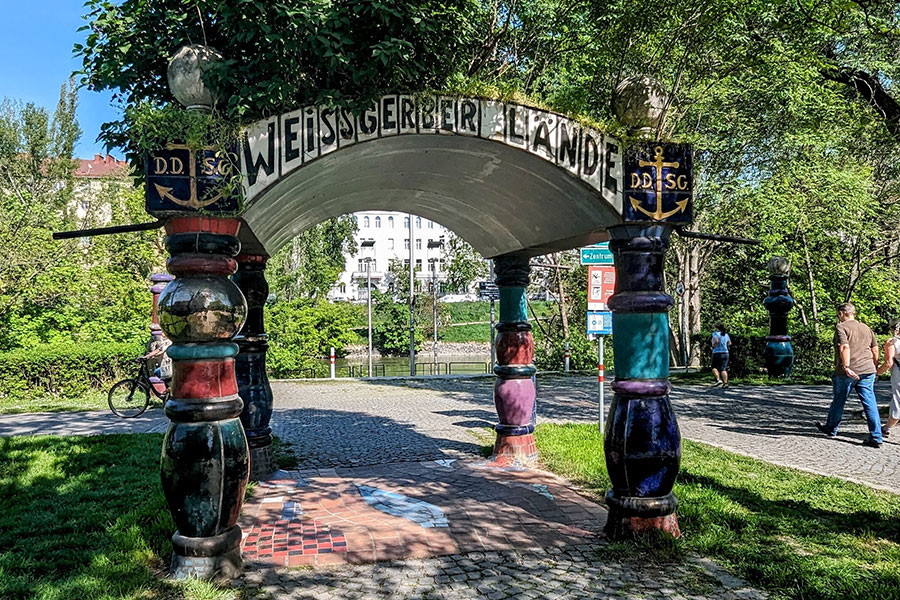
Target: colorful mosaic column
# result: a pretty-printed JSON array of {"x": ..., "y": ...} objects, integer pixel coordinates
[
  {"x": 250, "y": 365},
  {"x": 642, "y": 443},
  {"x": 514, "y": 389},
  {"x": 779, "y": 353},
  {"x": 205, "y": 462}
]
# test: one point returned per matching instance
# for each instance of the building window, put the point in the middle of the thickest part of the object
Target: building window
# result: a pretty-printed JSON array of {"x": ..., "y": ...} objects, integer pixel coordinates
[
  {"x": 391, "y": 222},
  {"x": 390, "y": 243},
  {"x": 418, "y": 264},
  {"x": 430, "y": 224},
  {"x": 419, "y": 222},
  {"x": 431, "y": 264},
  {"x": 366, "y": 222},
  {"x": 377, "y": 222},
  {"x": 361, "y": 265},
  {"x": 406, "y": 222},
  {"x": 406, "y": 244},
  {"x": 406, "y": 264},
  {"x": 418, "y": 244}
]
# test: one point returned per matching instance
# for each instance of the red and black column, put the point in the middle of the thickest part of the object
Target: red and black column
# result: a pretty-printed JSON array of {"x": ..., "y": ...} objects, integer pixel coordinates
[{"x": 205, "y": 459}]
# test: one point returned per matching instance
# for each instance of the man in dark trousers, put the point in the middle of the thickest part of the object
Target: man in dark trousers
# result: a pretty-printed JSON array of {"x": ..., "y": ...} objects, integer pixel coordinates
[{"x": 855, "y": 357}]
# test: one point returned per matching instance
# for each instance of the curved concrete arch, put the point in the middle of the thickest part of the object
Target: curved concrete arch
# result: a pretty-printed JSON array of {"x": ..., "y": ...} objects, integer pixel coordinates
[{"x": 506, "y": 179}]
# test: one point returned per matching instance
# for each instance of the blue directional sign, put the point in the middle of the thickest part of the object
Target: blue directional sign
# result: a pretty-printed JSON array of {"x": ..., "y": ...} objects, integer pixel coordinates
[
  {"x": 599, "y": 322},
  {"x": 598, "y": 254}
]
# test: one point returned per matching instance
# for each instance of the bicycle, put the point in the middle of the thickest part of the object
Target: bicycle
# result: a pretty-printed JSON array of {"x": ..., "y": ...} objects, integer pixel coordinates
[{"x": 131, "y": 397}]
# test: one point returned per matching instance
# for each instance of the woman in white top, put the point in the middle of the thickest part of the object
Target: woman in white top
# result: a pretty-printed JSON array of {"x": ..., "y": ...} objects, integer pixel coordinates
[{"x": 891, "y": 357}]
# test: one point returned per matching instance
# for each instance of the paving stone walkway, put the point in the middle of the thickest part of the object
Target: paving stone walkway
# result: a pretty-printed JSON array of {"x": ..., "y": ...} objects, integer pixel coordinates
[{"x": 390, "y": 472}]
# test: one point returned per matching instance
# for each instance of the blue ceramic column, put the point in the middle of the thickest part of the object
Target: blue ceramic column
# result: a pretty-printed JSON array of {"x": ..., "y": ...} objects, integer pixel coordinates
[
  {"x": 514, "y": 389},
  {"x": 642, "y": 443},
  {"x": 205, "y": 462},
  {"x": 779, "y": 354},
  {"x": 250, "y": 365}
]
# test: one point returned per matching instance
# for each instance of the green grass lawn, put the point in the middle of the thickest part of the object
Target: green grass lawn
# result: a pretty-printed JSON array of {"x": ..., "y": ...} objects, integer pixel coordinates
[
  {"x": 793, "y": 534},
  {"x": 85, "y": 518},
  {"x": 42, "y": 402}
]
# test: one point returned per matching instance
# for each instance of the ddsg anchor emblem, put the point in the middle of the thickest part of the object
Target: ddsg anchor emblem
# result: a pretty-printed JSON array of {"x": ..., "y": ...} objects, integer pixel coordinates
[
  {"x": 168, "y": 167},
  {"x": 675, "y": 181}
]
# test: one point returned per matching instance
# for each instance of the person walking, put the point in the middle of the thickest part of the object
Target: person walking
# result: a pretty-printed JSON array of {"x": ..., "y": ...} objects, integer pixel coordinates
[
  {"x": 721, "y": 343},
  {"x": 855, "y": 357},
  {"x": 891, "y": 358}
]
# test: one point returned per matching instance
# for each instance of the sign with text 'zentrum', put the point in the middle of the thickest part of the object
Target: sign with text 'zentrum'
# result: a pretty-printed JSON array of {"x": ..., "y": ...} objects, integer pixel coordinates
[{"x": 274, "y": 147}]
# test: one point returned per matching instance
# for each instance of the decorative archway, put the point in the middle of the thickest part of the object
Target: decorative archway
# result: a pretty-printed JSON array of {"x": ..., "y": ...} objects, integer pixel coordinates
[{"x": 514, "y": 181}]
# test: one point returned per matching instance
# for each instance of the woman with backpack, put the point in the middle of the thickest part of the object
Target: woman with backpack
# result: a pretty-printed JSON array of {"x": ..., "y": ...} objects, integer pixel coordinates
[
  {"x": 721, "y": 342},
  {"x": 891, "y": 359}
]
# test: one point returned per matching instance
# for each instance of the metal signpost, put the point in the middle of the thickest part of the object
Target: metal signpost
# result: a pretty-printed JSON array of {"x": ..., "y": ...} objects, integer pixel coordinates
[{"x": 601, "y": 285}]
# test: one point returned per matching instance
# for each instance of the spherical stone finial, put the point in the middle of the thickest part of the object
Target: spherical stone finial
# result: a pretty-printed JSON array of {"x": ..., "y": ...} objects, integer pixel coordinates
[
  {"x": 779, "y": 266},
  {"x": 185, "y": 75},
  {"x": 639, "y": 102}
]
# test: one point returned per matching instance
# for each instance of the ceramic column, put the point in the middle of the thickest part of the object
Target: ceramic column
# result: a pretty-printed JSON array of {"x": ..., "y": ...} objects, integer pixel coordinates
[
  {"x": 514, "y": 389},
  {"x": 779, "y": 353},
  {"x": 642, "y": 443},
  {"x": 204, "y": 461},
  {"x": 250, "y": 365}
]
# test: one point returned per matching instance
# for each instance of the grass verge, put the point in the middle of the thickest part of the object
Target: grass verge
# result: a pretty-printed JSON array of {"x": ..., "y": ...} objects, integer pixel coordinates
[
  {"x": 793, "y": 534},
  {"x": 84, "y": 517},
  {"x": 43, "y": 402}
]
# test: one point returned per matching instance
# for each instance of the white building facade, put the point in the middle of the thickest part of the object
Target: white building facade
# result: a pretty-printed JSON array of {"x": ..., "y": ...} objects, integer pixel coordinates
[{"x": 382, "y": 236}]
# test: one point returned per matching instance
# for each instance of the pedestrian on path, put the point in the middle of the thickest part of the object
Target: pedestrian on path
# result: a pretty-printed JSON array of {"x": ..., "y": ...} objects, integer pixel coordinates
[
  {"x": 721, "y": 343},
  {"x": 855, "y": 357},
  {"x": 891, "y": 358}
]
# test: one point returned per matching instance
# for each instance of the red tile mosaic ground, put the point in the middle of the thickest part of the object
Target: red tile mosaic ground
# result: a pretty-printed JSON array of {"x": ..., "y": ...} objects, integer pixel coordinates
[{"x": 411, "y": 510}]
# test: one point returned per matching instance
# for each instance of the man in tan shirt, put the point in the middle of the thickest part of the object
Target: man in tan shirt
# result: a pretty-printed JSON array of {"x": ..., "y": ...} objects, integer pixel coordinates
[{"x": 855, "y": 357}]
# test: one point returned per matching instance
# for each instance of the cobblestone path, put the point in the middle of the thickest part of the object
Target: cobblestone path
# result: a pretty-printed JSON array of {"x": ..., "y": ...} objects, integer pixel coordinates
[
  {"x": 576, "y": 571},
  {"x": 390, "y": 420}
]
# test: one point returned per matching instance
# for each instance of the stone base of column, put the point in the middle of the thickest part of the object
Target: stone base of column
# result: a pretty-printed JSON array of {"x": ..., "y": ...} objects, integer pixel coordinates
[
  {"x": 629, "y": 528},
  {"x": 216, "y": 558},
  {"x": 635, "y": 517},
  {"x": 262, "y": 463},
  {"x": 517, "y": 451}
]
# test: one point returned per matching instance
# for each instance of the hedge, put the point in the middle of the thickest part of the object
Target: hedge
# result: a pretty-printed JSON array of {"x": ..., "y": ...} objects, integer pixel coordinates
[
  {"x": 67, "y": 369},
  {"x": 813, "y": 355}
]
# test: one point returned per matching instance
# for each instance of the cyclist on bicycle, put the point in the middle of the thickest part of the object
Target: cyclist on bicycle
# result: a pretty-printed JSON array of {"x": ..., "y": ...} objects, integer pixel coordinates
[{"x": 157, "y": 354}]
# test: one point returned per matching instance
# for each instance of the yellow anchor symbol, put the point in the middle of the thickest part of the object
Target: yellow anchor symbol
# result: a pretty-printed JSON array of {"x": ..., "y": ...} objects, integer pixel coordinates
[
  {"x": 658, "y": 164},
  {"x": 165, "y": 193}
]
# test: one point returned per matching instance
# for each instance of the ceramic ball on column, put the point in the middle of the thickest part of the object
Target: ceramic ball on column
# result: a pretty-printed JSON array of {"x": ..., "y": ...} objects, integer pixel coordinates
[
  {"x": 779, "y": 354},
  {"x": 642, "y": 442},
  {"x": 250, "y": 365},
  {"x": 205, "y": 459}
]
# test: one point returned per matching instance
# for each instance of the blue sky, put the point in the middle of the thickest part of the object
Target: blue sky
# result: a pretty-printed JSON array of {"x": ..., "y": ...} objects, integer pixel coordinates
[{"x": 36, "y": 46}]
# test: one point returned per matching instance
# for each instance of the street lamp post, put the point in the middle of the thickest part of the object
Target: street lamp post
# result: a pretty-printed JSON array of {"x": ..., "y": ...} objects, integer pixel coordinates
[
  {"x": 432, "y": 244},
  {"x": 412, "y": 299},
  {"x": 368, "y": 261}
]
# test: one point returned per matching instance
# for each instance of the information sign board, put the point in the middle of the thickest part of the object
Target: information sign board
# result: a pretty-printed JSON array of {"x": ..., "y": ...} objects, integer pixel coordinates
[
  {"x": 601, "y": 285},
  {"x": 599, "y": 322},
  {"x": 488, "y": 290}
]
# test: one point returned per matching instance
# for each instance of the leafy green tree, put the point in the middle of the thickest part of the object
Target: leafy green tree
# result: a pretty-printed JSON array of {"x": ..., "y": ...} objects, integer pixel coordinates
[
  {"x": 278, "y": 55},
  {"x": 463, "y": 265},
  {"x": 313, "y": 262},
  {"x": 390, "y": 331}
]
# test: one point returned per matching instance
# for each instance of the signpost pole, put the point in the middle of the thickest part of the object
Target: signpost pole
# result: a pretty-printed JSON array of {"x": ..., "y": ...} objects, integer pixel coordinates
[
  {"x": 600, "y": 376},
  {"x": 567, "y": 357}
]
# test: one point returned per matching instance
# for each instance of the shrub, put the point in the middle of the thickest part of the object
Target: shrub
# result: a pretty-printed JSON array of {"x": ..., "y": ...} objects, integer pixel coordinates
[
  {"x": 813, "y": 354},
  {"x": 65, "y": 369}
]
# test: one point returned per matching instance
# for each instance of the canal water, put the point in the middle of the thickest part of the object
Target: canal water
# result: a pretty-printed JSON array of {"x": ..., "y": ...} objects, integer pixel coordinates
[{"x": 398, "y": 366}]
